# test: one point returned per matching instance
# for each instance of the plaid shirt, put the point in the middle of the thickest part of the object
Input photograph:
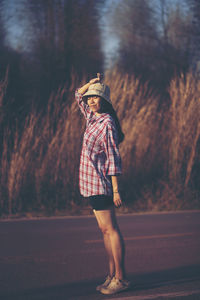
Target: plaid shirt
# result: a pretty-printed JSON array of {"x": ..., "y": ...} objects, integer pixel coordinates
[{"x": 100, "y": 156}]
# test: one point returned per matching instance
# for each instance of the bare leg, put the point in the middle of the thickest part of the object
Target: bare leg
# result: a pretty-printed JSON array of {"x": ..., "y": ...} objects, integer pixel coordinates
[
  {"x": 108, "y": 248},
  {"x": 118, "y": 248},
  {"x": 113, "y": 241}
]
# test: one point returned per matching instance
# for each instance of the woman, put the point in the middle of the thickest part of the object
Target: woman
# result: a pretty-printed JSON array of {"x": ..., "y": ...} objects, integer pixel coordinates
[{"x": 100, "y": 166}]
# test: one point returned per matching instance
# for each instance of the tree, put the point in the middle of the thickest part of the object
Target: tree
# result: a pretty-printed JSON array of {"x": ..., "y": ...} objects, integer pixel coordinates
[
  {"x": 134, "y": 23},
  {"x": 179, "y": 36},
  {"x": 58, "y": 37},
  {"x": 194, "y": 6},
  {"x": 154, "y": 39},
  {"x": 2, "y": 47},
  {"x": 66, "y": 38}
]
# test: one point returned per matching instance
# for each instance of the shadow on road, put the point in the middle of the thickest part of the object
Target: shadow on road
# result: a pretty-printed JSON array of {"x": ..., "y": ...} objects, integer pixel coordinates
[
  {"x": 170, "y": 277},
  {"x": 86, "y": 289}
]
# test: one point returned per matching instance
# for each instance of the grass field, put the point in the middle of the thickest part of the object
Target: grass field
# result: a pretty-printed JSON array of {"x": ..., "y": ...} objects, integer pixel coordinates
[{"x": 160, "y": 153}]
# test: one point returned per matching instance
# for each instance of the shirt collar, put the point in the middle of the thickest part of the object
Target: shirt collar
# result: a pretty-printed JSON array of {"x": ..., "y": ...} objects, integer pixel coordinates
[{"x": 100, "y": 117}]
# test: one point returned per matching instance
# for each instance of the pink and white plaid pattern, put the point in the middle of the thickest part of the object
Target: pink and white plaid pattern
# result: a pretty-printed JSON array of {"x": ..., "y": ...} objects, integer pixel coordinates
[{"x": 100, "y": 156}]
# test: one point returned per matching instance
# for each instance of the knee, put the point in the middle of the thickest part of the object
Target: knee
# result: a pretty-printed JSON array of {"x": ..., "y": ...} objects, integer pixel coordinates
[
  {"x": 107, "y": 230},
  {"x": 104, "y": 229}
]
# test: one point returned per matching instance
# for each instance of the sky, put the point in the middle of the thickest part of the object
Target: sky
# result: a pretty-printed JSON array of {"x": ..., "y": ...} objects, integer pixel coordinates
[{"x": 16, "y": 23}]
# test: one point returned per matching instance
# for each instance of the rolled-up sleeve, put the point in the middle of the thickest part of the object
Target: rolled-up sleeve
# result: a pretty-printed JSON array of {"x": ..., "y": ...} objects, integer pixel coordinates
[
  {"x": 83, "y": 107},
  {"x": 113, "y": 159}
]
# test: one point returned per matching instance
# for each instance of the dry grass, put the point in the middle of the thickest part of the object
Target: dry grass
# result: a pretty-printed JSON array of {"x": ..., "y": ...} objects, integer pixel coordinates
[
  {"x": 144, "y": 149},
  {"x": 185, "y": 128},
  {"x": 39, "y": 169}
]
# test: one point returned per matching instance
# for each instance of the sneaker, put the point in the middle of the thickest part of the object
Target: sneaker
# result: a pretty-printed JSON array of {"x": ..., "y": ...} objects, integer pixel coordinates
[
  {"x": 105, "y": 284},
  {"x": 115, "y": 286}
]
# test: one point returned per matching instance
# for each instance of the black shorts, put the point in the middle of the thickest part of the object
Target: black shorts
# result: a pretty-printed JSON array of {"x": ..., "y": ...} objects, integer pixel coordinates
[{"x": 101, "y": 202}]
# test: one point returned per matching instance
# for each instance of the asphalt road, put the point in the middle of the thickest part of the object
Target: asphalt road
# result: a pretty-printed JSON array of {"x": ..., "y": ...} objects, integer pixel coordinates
[{"x": 64, "y": 258}]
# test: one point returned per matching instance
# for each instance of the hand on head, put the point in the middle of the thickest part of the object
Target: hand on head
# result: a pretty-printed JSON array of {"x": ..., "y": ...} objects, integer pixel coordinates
[
  {"x": 97, "y": 79},
  {"x": 94, "y": 80}
]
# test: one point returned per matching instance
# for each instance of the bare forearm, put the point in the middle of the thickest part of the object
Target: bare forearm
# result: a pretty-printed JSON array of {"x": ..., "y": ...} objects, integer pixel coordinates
[
  {"x": 85, "y": 87},
  {"x": 115, "y": 183}
]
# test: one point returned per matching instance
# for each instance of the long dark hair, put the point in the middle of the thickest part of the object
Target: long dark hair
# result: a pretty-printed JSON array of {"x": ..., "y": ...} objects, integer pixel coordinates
[{"x": 106, "y": 107}]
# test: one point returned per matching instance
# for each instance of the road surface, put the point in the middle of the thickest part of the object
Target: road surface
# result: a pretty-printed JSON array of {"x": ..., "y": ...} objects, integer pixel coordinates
[{"x": 64, "y": 258}]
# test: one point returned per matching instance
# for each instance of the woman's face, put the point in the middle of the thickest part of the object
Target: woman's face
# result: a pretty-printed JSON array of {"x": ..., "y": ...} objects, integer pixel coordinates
[{"x": 94, "y": 103}]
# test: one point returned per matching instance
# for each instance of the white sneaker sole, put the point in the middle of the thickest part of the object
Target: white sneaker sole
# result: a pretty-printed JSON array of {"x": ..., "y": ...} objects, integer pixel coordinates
[
  {"x": 99, "y": 287},
  {"x": 106, "y": 291}
]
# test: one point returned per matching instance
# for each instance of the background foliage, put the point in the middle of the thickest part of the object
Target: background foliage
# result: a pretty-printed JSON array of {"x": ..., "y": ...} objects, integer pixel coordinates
[{"x": 155, "y": 90}]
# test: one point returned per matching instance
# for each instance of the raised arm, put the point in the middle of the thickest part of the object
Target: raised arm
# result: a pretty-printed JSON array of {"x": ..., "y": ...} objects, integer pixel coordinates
[
  {"x": 85, "y": 87},
  {"x": 79, "y": 98}
]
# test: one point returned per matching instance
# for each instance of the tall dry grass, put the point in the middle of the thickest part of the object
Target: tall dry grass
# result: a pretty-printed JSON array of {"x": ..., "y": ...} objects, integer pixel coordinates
[
  {"x": 185, "y": 127},
  {"x": 39, "y": 170},
  {"x": 145, "y": 124},
  {"x": 184, "y": 139},
  {"x": 39, "y": 165}
]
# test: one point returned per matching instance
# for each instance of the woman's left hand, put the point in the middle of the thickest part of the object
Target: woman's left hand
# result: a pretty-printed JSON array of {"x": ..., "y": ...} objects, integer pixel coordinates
[{"x": 117, "y": 199}]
